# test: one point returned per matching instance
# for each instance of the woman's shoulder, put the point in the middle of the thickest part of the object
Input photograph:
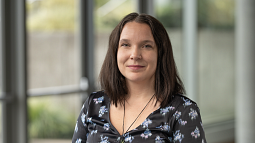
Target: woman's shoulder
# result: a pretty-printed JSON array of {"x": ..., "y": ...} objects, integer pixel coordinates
[
  {"x": 179, "y": 100},
  {"x": 98, "y": 97},
  {"x": 97, "y": 94}
]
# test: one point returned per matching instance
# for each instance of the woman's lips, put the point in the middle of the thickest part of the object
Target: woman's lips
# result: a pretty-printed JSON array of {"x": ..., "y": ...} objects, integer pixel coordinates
[{"x": 135, "y": 67}]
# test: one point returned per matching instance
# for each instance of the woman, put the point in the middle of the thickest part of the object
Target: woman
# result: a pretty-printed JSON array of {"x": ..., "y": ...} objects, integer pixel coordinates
[{"x": 141, "y": 99}]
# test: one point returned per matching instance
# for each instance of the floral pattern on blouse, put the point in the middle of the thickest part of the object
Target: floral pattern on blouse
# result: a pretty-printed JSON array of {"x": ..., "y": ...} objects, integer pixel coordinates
[
  {"x": 181, "y": 122},
  {"x": 128, "y": 138},
  {"x": 106, "y": 126},
  {"x": 193, "y": 114},
  {"x": 158, "y": 139},
  {"x": 163, "y": 111},
  {"x": 177, "y": 136},
  {"x": 102, "y": 110},
  {"x": 164, "y": 127},
  {"x": 147, "y": 133},
  {"x": 177, "y": 115},
  {"x": 195, "y": 133},
  {"x": 187, "y": 102},
  {"x": 178, "y": 122},
  {"x": 98, "y": 100},
  {"x": 146, "y": 123},
  {"x": 104, "y": 139},
  {"x": 78, "y": 141}
]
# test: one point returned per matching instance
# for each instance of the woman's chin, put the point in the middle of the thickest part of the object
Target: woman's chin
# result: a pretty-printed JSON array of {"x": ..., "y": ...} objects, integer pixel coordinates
[{"x": 138, "y": 80}]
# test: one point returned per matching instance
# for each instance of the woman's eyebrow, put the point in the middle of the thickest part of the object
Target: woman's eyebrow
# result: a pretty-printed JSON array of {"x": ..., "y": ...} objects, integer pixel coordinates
[
  {"x": 148, "y": 41},
  {"x": 144, "y": 41},
  {"x": 124, "y": 40}
]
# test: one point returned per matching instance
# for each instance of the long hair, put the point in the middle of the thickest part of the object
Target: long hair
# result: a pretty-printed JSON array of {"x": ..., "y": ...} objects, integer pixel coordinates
[{"x": 167, "y": 80}]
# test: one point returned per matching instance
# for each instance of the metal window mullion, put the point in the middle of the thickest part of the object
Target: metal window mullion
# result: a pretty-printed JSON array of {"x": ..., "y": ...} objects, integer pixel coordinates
[
  {"x": 57, "y": 90},
  {"x": 14, "y": 71},
  {"x": 190, "y": 49},
  {"x": 2, "y": 41},
  {"x": 146, "y": 6},
  {"x": 245, "y": 71},
  {"x": 86, "y": 45}
]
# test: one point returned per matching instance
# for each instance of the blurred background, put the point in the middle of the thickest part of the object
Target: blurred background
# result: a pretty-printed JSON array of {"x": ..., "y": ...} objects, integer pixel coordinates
[{"x": 52, "y": 52}]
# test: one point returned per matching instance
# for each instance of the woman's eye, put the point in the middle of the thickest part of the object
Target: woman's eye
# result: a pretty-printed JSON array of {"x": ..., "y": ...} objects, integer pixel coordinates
[
  {"x": 124, "y": 45},
  {"x": 147, "y": 46}
]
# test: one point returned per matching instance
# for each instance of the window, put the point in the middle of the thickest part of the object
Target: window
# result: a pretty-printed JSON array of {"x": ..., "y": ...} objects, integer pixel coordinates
[
  {"x": 216, "y": 59},
  {"x": 53, "y": 66}
]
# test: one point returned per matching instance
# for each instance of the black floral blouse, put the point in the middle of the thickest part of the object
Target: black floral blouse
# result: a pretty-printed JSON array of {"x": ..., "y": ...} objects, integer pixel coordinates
[{"x": 178, "y": 122}]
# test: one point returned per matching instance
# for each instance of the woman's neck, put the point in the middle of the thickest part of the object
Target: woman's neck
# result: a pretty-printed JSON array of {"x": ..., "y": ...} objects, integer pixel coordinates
[{"x": 140, "y": 91}]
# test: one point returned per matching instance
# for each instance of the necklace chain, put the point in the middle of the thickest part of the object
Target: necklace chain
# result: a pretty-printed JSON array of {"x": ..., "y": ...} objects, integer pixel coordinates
[{"x": 136, "y": 117}]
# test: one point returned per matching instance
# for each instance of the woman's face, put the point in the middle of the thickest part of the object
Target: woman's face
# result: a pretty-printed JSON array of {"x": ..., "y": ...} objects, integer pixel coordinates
[{"x": 137, "y": 53}]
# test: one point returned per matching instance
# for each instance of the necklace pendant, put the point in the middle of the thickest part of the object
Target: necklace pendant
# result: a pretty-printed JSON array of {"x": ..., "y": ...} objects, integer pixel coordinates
[{"x": 123, "y": 141}]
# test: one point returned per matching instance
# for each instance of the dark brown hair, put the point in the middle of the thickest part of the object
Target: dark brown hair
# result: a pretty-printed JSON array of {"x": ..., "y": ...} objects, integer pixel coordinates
[{"x": 167, "y": 80}]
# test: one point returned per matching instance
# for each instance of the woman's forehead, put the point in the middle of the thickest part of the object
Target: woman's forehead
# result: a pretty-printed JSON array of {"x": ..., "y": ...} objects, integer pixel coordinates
[{"x": 138, "y": 31}]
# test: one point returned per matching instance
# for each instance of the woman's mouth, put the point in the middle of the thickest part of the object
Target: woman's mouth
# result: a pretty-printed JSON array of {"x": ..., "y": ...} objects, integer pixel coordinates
[{"x": 135, "y": 67}]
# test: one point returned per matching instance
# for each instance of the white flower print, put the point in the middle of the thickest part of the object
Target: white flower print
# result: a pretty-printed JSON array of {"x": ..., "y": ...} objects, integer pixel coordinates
[
  {"x": 104, "y": 139},
  {"x": 159, "y": 140},
  {"x": 187, "y": 102},
  {"x": 146, "y": 123},
  {"x": 93, "y": 132},
  {"x": 195, "y": 133},
  {"x": 106, "y": 126},
  {"x": 118, "y": 139},
  {"x": 182, "y": 122},
  {"x": 147, "y": 133},
  {"x": 128, "y": 138},
  {"x": 165, "y": 127},
  {"x": 76, "y": 127},
  {"x": 178, "y": 136},
  {"x": 163, "y": 111},
  {"x": 102, "y": 110},
  {"x": 193, "y": 114},
  {"x": 78, "y": 141},
  {"x": 98, "y": 100},
  {"x": 177, "y": 115},
  {"x": 89, "y": 120},
  {"x": 83, "y": 119}
]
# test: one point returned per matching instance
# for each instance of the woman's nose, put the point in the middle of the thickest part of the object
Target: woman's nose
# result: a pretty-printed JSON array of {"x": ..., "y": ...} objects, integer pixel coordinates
[{"x": 135, "y": 53}]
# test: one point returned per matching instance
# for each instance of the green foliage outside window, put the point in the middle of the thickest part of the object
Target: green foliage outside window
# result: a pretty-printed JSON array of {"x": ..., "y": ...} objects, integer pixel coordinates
[
  {"x": 45, "y": 122},
  {"x": 218, "y": 14}
]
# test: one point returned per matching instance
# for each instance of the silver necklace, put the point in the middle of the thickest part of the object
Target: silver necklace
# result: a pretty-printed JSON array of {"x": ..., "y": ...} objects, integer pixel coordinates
[{"x": 135, "y": 118}]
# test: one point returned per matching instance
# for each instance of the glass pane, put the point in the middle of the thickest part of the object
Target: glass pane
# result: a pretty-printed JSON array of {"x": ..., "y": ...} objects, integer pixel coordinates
[
  {"x": 52, "y": 53},
  {"x": 1, "y": 51},
  {"x": 216, "y": 59},
  {"x": 106, "y": 18},
  {"x": 52, "y": 118},
  {"x": 169, "y": 13}
]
